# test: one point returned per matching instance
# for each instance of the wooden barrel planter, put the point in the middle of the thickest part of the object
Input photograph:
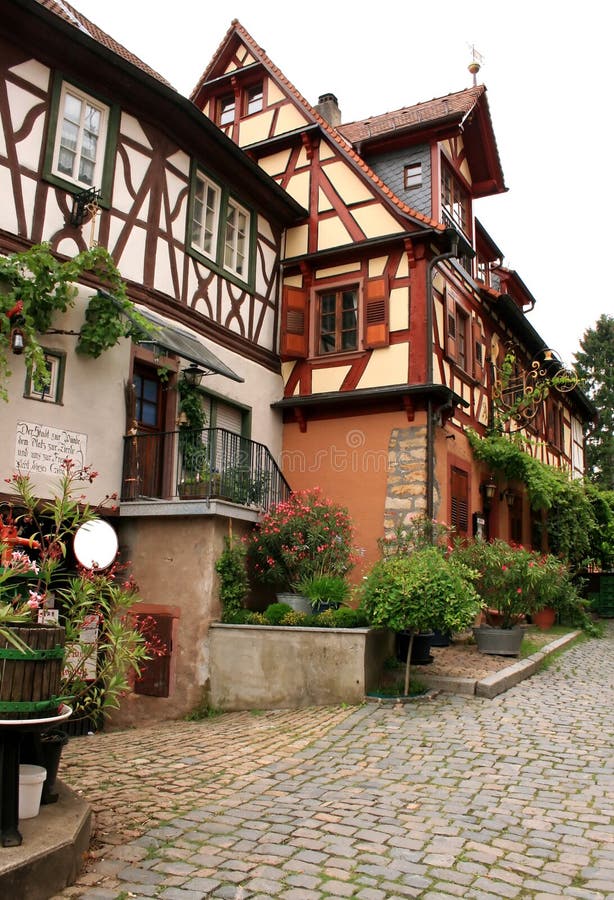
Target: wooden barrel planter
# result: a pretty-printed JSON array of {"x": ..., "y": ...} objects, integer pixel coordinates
[{"x": 30, "y": 682}]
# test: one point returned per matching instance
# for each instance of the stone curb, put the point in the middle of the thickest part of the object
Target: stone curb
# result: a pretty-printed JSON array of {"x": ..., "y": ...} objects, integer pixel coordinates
[{"x": 501, "y": 681}]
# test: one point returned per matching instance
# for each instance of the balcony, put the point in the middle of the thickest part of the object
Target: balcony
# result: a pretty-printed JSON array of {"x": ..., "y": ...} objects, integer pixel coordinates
[{"x": 194, "y": 465}]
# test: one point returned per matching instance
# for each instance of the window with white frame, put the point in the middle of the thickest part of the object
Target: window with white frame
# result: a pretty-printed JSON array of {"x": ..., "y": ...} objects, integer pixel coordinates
[
  {"x": 205, "y": 215},
  {"x": 236, "y": 239},
  {"x": 254, "y": 99},
  {"x": 412, "y": 175},
  {"x": 80, "y": 138},
  {"x": 50, "y": 392}
]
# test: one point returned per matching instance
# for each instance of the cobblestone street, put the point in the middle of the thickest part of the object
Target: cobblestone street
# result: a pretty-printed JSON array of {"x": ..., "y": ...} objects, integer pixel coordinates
[{"x": 449, "y": 797}]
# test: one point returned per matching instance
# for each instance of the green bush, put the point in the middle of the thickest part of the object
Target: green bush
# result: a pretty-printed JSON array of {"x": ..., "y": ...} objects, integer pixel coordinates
[
  {"x": 275, "y": 613},
  {"x": 421, "y": 592},
  {"x": 234, "y": 583}
]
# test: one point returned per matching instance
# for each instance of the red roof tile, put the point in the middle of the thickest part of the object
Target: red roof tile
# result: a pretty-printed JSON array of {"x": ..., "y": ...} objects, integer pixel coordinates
[
  {"x": 69, "y": 14},
  {"x": 457, "y": 105},
  {"x": 333, "y": 133}
]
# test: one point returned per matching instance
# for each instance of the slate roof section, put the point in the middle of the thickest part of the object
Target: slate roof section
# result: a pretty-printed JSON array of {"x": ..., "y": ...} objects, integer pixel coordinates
[
  {"x": 69, "y": 14},
  {"x": 455, "y": 106},
  {"x": 335, "y": 134}
]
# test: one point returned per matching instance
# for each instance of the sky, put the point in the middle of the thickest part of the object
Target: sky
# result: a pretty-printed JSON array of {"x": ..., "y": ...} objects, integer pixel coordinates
[{"x": 547, "y": 67}]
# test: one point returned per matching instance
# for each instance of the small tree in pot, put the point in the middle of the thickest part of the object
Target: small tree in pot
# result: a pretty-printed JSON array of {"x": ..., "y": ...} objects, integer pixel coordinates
[{"x": 425, "y": 590}]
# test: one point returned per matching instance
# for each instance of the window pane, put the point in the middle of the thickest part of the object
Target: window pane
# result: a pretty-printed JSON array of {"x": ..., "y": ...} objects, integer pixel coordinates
[
  {"x": 92, "y": 119},
  {"x": 86, "y": 171},
  {"x": 254, "y": 99},
  {"x": 205, "y": 216},
  {"x": 72, "y": 108},
  {"x": 66, "y": 161}
]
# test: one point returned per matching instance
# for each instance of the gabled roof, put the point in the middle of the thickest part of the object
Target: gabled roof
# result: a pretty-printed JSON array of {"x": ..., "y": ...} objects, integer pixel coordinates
[
  {"x": 218, "y": 67},
  {"x": 463, "y": 112},
  {"x": 71, "y": 15}
]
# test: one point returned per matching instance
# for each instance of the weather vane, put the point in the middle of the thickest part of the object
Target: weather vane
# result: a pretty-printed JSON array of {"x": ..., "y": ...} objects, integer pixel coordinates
[{"x": 476, "y": 63}]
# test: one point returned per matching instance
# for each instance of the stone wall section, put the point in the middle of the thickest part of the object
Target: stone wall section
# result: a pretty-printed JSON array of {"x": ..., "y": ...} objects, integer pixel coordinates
[{"x": 406, "y": 484}]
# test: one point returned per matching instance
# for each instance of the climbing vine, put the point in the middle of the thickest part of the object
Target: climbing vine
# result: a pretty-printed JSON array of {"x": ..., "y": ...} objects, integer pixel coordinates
[
  {"x": 35, "y": 286},
  {"x": 580, "y": 521}
]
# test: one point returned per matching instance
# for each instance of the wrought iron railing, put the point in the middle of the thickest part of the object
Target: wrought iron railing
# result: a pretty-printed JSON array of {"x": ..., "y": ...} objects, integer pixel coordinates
[{"x": 209, "y": 464}]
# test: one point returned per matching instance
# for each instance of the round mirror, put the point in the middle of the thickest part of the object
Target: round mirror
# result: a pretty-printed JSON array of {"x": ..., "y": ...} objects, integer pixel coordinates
[{"x": 95, "y": 545}]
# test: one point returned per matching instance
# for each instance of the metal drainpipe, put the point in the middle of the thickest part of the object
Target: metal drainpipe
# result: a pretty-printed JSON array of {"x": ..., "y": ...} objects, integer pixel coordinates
[{"x": 430, "y": 428}]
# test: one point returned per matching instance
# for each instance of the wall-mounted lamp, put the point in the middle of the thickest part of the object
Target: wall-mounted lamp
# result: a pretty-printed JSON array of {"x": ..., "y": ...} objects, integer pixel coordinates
[
  {"x": 83, "y": 203},
  {"x": 193, "y": 375},
  {"x": 509, "y": 496},
  {"x": 18, "y": 340},
  {"x": 488, "y": 489}
]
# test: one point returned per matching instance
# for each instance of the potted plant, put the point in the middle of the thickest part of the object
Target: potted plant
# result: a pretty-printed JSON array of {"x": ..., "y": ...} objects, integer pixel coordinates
[
  {"x": 324, "y": 591},
  {"x": 508, "y": 579},
  {"x": 299, "y": 539},
  {"x": 420, "y": 592},
  {"x": 91, "y": 673}
]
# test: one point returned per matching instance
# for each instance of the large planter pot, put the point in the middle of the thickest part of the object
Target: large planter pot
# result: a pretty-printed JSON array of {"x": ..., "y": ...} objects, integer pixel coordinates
[
  {"x": 296, "y": 601},
  {"x": 30, "y": 682},
  {"x": 420, "y": 648},
  {"x": 544, "y": 618},
  {"x": 499, "y": 641}
]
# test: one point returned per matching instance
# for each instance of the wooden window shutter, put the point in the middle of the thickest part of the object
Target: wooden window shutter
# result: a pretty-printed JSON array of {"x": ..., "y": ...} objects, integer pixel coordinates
[
  {"x": 294, "y": 323},
  {"x": 377, "y": 312},
  {"x": 450, "y": 324},
  {"x": 459, "y": 492},
  {"x": 154, "y": 680},
  {"x": 478, "y": 351}
]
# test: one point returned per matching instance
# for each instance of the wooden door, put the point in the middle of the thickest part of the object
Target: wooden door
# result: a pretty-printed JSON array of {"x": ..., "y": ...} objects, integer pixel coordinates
[{"x": 149, "y": 416}]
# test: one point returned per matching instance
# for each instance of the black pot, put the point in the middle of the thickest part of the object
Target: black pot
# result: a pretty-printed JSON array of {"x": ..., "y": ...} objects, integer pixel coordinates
[
  {"x": 420, "y": 648},
  {"x": 45, "y": 750},
  {"x": 441, "y": 639}
]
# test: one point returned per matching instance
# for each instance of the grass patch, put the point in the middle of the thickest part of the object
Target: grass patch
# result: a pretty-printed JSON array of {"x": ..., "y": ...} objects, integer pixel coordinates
[
  {"x": 535, "y": 640},
  {"x": 397, "y": 689}
]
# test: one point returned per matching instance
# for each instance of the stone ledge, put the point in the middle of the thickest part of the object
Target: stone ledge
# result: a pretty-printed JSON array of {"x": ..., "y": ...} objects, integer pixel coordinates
[
  {"x": 500, "y": 681},
  {"x": 53, "y": 850}
]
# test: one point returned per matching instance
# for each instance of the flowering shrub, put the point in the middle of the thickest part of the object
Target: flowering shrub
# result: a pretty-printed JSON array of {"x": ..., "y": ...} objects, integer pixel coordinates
[
  {"x": 513, "y": 581},
  {"x": 302, "y": 537},
  {"x": 104, "y": 642}
]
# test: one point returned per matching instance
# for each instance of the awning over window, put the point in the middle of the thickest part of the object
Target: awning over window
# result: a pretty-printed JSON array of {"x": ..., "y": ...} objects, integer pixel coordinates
[{"x": 186, "y": 345}]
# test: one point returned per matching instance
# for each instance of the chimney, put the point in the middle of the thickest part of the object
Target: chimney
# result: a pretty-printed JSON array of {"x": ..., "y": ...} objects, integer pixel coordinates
[{"x": 328, "y": 107}]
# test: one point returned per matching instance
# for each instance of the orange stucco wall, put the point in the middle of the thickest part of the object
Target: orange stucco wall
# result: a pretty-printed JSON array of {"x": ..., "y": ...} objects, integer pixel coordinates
[{"x": 348, "y": 458}]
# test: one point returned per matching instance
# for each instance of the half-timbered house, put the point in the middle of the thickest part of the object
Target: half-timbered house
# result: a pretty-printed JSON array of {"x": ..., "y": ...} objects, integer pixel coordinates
[
  {"x": 397, "y": 311},
  {"x": 195, "y": 228}
]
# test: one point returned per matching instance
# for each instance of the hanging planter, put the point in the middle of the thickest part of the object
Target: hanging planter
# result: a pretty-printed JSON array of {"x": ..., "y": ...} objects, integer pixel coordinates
[{"x": 30, "y": 681}]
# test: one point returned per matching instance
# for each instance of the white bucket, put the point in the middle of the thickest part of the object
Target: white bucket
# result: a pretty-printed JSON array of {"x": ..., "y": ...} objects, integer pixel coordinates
[{"x": 31, "y": 780}]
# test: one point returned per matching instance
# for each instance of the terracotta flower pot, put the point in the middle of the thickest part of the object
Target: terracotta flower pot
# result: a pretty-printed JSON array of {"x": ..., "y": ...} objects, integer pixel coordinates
[{"x": 544, "y": 618}]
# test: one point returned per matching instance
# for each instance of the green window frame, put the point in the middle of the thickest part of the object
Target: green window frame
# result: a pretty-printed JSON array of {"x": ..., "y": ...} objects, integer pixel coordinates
[
  {"x": 221, "y": 231},
  {"x": 82, "y": 139}
]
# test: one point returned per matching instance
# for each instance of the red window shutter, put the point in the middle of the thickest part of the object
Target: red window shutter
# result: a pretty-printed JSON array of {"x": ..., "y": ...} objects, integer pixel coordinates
[
  {"x": 450, "y": 324},
  {"x": 154, "y": 680},
  {"x": 459, "y": 506},
  {"x": 478, "y": 351},
  {"x": 377, "y": 312},
  {"x": 295, "y": 323}
]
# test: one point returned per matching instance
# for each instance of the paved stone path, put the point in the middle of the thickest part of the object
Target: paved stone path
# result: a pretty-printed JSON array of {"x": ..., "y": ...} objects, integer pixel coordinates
[{"x": 447, "y": 798}]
